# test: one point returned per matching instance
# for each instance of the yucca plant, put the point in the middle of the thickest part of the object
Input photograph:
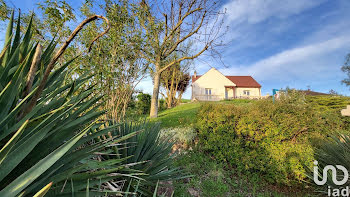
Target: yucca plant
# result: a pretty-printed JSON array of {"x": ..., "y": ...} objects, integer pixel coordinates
[
  {"x": 334, "y": 151},
  {"x": 51, "y": 137},
  {"x": 152, "y": 152}
]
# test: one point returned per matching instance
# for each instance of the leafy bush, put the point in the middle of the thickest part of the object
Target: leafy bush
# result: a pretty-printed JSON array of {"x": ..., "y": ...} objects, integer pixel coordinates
[
  {"x": 329, "y": 102},
  {"x": 162, "y": 105},
  {"x": 331, "y": 105},
  {"x": 184, "y": 135},
  {"x": 275, "y": 140},
  {"x": 143, "y": 104}
]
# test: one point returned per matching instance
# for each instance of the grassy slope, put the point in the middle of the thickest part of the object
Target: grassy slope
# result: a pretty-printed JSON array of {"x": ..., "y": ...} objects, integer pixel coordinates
[
  {"x": 182, "y": 115},
  {"x": 185, "y": 114}
]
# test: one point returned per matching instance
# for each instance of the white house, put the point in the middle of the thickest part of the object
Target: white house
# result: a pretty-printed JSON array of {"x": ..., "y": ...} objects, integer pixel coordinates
[{"x": 214, "y": 86}]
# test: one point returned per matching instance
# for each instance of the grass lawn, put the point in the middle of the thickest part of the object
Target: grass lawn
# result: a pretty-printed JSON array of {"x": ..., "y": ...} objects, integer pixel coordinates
[
  {"x": 185, "y": 114},
  {"x": 182, "y": 115},
  {"x": 185, "y": 100}
]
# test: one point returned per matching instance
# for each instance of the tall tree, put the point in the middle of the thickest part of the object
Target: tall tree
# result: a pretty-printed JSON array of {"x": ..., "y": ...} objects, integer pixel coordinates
[
  {"x": 346, "y": 68},
  {"x": 117, "y": 66},
  {"x": 168, "y": 24}
]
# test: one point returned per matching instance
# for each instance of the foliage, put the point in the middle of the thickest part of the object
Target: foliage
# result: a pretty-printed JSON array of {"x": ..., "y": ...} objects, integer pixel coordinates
[
  {"x": 169, "y": 26},
  {"x": 328, "y": 102},
  {"x": 275, "y": 140},
  {"x": 51, "y": 22},
  {"x": 331, "y": 106},
  {"x": 335, "y": 151},
  {"x": 292, "y": 96},
  {"x": 4, "y": 10},
  {"x": 58, "y": 139},
  {"x": 154, "y": 154},
  {"x": 55, "y": 15},
  {"x": 214, "y": 178},
  {"x": 346, "y": 69},
  {"x": 333, "y": 92},
  {"x": 184, "y": 135},
  {"x": 115, "y": 60},
  {"x": 237, "y": 101},
  {"x": 175, "y": 80},
  {"x": 162, "y": 105},
  {"x": 143, "y": 103}
]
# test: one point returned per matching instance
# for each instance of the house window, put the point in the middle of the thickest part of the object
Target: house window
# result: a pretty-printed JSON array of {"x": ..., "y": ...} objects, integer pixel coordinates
[
  {"x": 207, "y": 91},
  {"x": 246, "y": 92},
  {"x": 208, "y": 94}
]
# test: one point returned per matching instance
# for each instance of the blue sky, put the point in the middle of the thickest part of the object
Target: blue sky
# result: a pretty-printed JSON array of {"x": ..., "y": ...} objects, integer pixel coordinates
[{"x": 294, "y": 43}]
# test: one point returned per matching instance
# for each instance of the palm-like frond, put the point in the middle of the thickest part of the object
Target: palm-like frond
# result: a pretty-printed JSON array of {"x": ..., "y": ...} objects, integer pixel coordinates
[
  {"x": 336, "y": 151},
  {"x": 150, "y": 150},
  {"x": 61, "y": 139}
]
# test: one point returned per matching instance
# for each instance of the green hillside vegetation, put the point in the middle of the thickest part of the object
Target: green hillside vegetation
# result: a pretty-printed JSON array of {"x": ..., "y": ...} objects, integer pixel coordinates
[
  {"x": 329, "y": 102},
  {"x": 254, "y": 147},
  {"x": 185, "y": 114}
]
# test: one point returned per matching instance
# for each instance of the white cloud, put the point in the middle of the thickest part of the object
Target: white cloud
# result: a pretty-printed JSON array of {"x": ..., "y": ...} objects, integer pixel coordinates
[
  {"x": 254, "y": 23},
  {"x": 297, "y": 63},
  {"x": 255, "y": 11}
]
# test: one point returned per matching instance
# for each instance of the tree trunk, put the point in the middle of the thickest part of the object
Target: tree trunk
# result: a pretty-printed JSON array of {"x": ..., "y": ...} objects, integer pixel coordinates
[
  {"x": 154, "y": 101},
  {"x": 170, "y": 101}
]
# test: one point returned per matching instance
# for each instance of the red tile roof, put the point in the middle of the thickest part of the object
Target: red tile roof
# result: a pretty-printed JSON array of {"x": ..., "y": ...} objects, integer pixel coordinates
[
  {"x": 240, "y": 81},
  {"x": 244, "y": 81},
  {"x": 195, "y": 78}
]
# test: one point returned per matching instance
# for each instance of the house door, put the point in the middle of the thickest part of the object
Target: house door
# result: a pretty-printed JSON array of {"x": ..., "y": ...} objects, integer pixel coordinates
[{"x": 226, "y": 93}]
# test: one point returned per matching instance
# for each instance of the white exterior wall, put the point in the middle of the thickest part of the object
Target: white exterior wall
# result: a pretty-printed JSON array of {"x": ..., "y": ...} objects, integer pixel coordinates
[
  {"x": 254, "y": 92},
  {"x": 212, "y": 79}
]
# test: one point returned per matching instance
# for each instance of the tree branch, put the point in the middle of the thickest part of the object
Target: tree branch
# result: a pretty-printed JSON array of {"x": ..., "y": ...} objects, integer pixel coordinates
[
  {"x": 185, "y": 37},
  {"x": 185, "y": 58},
  {"x": 59, "y": 53}
]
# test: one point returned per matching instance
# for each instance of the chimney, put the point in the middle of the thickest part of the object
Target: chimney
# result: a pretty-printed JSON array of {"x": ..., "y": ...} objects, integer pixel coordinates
[{"x": 195, "y": 74}]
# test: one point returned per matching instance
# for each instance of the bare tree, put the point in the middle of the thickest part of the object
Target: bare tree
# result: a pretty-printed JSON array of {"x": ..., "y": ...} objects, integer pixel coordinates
[{"x": 168, "y": 24}]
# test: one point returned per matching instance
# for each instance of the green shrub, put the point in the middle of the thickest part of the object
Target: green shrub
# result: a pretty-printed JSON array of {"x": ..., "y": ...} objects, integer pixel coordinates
[
  {"x": 162, "y": 105},
  {"x": 274, "y": 140},
  {"x": 329, "y": 102},
  {"x": 183, "y": 135},
  {"x": 143, "y": 104}
]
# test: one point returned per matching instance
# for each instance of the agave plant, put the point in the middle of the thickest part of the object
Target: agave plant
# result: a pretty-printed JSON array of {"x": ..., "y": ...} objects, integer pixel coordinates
[
  {"x": 53, "y": 146},
  {"x": 152, "y": 153}
]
